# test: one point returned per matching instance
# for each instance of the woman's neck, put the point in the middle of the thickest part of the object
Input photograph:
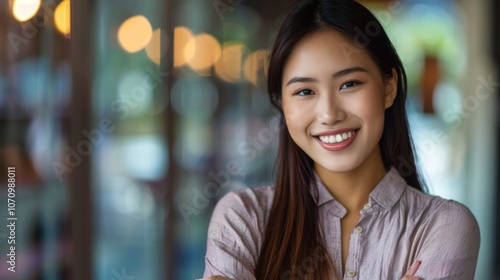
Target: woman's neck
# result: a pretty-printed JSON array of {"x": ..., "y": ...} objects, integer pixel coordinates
[{"x": 352, "y": 189}]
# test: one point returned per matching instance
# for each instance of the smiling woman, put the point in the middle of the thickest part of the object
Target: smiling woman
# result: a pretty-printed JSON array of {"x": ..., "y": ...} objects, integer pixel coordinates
[{"x": 343, "y": 206}]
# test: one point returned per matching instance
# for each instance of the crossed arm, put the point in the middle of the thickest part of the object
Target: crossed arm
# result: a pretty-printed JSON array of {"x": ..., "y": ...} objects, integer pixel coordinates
[{"x": 408, "y": 276}]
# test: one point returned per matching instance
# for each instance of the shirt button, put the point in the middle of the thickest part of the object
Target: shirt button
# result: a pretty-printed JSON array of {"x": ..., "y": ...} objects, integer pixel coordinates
[
  {"x": 367, "y": 206},
  {"x": 351, "y": 273},
  {"x": 358, "y": 229}
]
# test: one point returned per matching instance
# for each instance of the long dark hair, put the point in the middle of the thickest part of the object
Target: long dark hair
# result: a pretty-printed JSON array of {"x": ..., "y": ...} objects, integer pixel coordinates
[{"x": 292, "y": 246}]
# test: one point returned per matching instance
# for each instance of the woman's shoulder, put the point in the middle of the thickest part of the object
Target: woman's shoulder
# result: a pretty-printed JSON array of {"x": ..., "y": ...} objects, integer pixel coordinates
[
  {"x": 250, "y": 204},
  {"x": 236, "y": 231},
  {"x": 249, "y": 198},
  {"x": 435, "y": 210}
]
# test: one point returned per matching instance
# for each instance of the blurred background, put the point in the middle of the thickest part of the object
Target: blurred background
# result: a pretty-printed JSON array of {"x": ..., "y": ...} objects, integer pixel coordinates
[{"x": 127, "y": 120}]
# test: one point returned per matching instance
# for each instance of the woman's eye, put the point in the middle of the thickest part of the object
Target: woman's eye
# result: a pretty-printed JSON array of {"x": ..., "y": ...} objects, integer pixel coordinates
[
  {"x": 304, "y": 92},
  {"x": 349, "y": 84}
]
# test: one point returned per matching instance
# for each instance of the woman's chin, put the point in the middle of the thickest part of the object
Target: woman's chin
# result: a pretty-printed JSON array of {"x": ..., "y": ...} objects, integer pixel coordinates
[{"x": 335, "y": 167}]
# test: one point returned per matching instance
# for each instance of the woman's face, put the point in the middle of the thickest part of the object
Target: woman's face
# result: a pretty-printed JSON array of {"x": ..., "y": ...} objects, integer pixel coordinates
[{"x": 334, "y": 98}]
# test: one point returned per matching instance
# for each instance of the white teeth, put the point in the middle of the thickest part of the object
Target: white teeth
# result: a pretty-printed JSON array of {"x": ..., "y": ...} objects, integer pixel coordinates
[{"x": 337, "y": 137}]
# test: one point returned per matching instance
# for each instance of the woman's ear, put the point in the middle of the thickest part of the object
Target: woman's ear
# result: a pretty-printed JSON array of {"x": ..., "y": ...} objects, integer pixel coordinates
[{"x": 391, "y": 89}]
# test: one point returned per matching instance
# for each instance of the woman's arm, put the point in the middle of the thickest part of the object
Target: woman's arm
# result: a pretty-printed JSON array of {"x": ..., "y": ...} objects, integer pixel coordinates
[
  {"x": 450, "y": 244},
  {"x": 232, "y": 241}
]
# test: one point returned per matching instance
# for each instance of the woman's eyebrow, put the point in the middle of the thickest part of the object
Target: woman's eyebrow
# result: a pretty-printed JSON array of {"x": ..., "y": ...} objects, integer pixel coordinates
[
  {"x": 337, "y": 75},
  {"x": 301, "y": 80},
  {"x": 348, "y": 71}
]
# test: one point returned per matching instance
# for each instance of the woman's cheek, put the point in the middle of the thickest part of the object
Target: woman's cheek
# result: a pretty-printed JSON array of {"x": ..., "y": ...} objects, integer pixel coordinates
[
  {"x": 293, "y": 119},
  {"x": 294, "y": 110},
  {"x": 368, "y": 105}
]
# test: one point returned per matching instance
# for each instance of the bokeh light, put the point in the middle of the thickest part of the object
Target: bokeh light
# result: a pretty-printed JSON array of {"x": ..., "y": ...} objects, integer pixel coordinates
[
  {"x": 255, "y": 66},
  {"x": 201, "y": 52},
  {"x": 153, "y": 49},
  {"x": 229, "y": 67},
  {"x": 189, "y": 152},
  {"x": 132, "y": 199},
  {"x": 131, "y": 90},
  {"x": 62, "y": 17},
  {"x": 23, "y": 10},
  {"x": 135, "y": 33},
  {"x": 182, "y": 36}
]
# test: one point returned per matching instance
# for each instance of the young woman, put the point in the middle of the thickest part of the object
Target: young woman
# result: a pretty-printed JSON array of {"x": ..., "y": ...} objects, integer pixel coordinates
[{"x": 347, "y": 202}]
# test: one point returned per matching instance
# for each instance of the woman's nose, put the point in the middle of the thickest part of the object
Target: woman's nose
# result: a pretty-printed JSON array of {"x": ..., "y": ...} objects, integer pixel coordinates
[{"x": 330, "y": 111}]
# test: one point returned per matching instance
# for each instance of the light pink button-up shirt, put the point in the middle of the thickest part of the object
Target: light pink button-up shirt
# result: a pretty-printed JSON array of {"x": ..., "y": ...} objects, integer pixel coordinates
[{"x": 398, "y": 225}]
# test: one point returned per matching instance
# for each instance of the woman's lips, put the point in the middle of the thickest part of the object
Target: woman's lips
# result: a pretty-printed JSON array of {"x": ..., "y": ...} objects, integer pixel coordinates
[{"x": 337, "y": 141}]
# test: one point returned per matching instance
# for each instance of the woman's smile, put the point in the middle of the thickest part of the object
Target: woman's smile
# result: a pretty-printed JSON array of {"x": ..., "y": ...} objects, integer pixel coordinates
[{"x": 337, "y": 140}]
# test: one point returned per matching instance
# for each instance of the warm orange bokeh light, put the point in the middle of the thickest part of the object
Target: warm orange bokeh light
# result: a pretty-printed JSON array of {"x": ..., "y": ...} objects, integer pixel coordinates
[
  {"x": 229, "y": 67},
  {"x": 62, "y": 17},
  {"x": 153, "y": 49},
  {"x": 135, "y": 33},
  {"x": 256, "y": 66},
  {"x": 182, "y": 35},
  {"x": 201, "y": 52}
]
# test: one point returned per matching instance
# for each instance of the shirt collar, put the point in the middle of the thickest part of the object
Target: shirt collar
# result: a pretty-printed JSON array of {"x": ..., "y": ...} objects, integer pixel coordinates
[
  {"x": 387, "y": 192},
  {"x": 319, "y": 192}
]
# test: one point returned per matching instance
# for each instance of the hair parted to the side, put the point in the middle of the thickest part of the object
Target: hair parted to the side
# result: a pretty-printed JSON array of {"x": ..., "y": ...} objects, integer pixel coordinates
[{"x": 292, "y": 234}]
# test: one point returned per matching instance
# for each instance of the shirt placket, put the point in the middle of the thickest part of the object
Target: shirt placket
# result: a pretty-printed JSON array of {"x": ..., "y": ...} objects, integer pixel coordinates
[
  {"x": 333, "y": 214},
  {"x": 355, "y": 250}
]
